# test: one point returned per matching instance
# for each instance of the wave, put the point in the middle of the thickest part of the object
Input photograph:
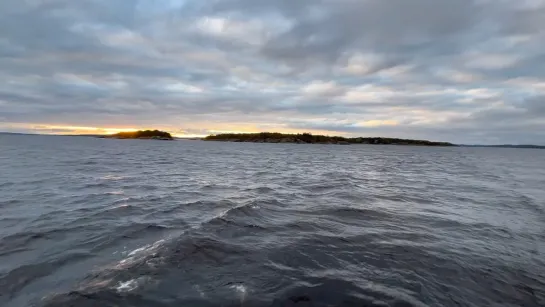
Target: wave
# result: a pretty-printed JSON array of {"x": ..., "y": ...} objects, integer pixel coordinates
[
  {"x": 16, "y": 279},
  {"x": 207, "y": 224},
  {"x": 7, "y": 184},
  {"x": 166, "y": 252},
  {"x": 347, "y": 212}
]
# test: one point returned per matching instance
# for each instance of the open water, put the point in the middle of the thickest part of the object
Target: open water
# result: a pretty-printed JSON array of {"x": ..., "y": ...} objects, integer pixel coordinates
[{"x": 99, "y": 222}]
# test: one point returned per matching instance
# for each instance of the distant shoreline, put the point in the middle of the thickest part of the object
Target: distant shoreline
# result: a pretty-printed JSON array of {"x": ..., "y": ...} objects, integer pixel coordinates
[
  {"x": 522, "y": 146},
  {"x": 140, "y": 135},
  {"x": 307, "y": 138}
]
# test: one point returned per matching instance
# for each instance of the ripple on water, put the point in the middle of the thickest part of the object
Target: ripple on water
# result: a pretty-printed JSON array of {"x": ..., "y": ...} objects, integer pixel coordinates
[{"x": 228, "y": 224}]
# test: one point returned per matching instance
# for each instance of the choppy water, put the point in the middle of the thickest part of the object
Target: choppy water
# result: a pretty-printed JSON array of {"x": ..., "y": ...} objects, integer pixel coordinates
[{"x": 94, "y": 222}]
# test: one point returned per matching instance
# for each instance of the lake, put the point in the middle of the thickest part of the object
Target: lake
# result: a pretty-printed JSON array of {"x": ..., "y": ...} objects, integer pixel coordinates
[{"x": 103, "y": 222}]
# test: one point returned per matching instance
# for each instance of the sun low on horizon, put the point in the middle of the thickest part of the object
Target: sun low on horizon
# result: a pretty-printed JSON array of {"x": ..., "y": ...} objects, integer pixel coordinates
[
  {"x": 80, "y": 130},
  {"x": 178, "y": 133},
  {"x": 70, "y": 130}
]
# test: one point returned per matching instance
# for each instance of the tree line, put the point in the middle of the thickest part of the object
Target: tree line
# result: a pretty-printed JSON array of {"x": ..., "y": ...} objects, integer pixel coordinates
[
  {"x": 308, "y": 138},
  {"x": 143, "y": 134}
]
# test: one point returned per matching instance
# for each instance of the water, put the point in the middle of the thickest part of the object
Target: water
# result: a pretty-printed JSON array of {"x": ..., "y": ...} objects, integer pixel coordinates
[{"x": 95, "y": 222}]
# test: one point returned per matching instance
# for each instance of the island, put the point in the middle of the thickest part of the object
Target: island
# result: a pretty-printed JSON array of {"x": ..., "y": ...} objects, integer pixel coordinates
[
  {"x": 308, "y": 138},
  {"x": 141, "y": 135}
]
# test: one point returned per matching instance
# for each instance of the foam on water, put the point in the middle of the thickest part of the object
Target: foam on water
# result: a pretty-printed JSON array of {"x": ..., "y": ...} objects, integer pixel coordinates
[
  {"x": 147, "y": 248},
  {"x": 241, "y": 290},
  {"x": 127, "y": 286}
]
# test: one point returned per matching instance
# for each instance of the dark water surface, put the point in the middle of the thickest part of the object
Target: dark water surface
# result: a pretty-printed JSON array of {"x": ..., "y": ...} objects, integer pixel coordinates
[{"x": 94, "y": 222}]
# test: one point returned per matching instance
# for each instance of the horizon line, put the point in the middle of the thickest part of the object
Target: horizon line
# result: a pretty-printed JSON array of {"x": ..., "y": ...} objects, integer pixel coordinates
[{"x": 203, "y": 136}]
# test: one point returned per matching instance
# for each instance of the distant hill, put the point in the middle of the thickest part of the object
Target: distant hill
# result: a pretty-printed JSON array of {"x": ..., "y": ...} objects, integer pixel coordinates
[
  {"x": 141, "y": 134},
  {"x": 307, "y": 138}
]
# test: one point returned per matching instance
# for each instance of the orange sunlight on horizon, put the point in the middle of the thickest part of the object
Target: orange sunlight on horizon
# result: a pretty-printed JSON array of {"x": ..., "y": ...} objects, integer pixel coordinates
[
  {"x": 60, "y": 129},
  {"x": 57, "y": 129}
]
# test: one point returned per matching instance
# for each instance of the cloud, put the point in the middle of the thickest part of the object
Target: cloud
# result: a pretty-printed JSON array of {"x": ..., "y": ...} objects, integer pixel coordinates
[
  {"x": 456, "y": 70},
  {"x": 321, "y": 88}
]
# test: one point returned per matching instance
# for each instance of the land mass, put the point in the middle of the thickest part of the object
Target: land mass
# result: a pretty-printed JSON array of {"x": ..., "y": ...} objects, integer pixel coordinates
[
  {"x": 508, "y": 146},
  {"x": 141, "y": 135},
  {"x": 307, "y": 138},
  {"x": 290, "y": 139}
]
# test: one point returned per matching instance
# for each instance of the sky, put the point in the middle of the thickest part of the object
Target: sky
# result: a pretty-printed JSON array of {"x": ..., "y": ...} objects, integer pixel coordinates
[{"x": 464, "y": 71}]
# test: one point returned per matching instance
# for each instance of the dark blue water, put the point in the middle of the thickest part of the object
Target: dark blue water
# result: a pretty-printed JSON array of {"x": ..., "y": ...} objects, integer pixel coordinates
[{"x": 96, "y": 222}]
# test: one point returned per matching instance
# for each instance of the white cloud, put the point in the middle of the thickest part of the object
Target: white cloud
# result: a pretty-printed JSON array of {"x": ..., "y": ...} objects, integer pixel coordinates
[
  {"x": 182, "y": 88},
  {"x": 360, "y": 64},
  {"x": 369, "y": 93},
  {"x": 251, "y": 31},
  {"x": 321, "y": 88},
  {"x": 458, "y": 76}
]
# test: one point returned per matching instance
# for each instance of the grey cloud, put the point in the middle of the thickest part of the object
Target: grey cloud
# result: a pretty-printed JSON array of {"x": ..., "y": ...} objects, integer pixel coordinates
[
  {"x": 228, "y": 62},
  {"x": 525, "y": 21},
  {"x": 325, "y": 30},
  {"x": 536, "y": 106},
  {"x": 529, "y": 112}
]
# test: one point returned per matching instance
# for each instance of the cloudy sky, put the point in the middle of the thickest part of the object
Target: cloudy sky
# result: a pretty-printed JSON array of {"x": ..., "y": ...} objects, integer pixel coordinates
[{"x": 465, "y": 71}]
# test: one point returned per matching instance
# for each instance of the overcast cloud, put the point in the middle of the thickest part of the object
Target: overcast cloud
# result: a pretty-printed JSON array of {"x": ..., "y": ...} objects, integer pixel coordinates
[{"x": 465, "y": 71}]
